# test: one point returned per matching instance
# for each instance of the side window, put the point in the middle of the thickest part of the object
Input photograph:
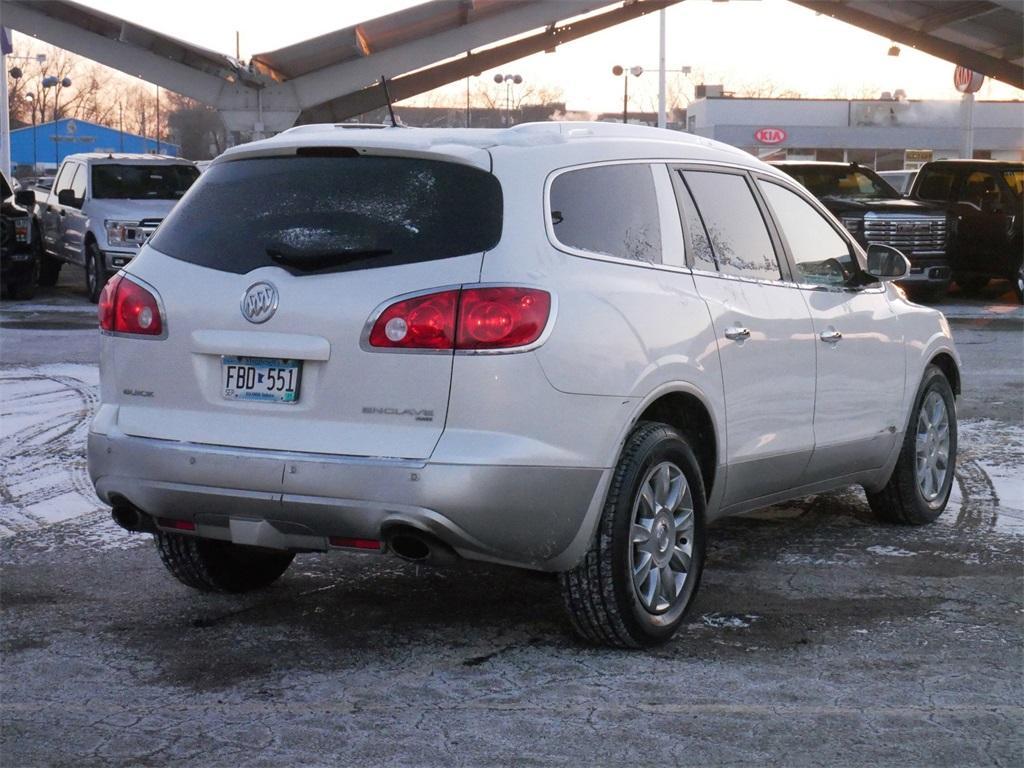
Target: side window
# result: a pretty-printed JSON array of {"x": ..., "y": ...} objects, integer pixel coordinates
[
  {"x": 738, "y": 234},
  {"x": 821, "y": 255},
  {"x": 982, "y": 190},
  {"x": 610, "y": 209},
  {"x": 78, "y": 184},
  {"x": 698, "y": 244},
  {"x": 63, "y": 180}
]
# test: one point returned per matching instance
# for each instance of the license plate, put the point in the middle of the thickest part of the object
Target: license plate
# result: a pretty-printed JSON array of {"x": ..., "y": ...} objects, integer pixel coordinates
[{"x": 265, "y": 379}]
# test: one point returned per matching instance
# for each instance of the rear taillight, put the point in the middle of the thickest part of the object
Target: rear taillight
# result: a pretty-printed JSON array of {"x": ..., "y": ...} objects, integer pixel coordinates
[
  {"x": 500, "y": 318},
  {"x": 503, "y": 317},
  {"x": 422, "y": 322},
  {"x": 127, "y": 307}
]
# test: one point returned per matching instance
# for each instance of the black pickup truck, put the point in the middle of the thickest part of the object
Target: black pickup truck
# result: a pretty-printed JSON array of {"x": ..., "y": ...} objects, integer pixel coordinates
[
  {"x": 985, "y": 202},
  {"x": 874, "y": 212},
  {"x": 19, "y": 242}
]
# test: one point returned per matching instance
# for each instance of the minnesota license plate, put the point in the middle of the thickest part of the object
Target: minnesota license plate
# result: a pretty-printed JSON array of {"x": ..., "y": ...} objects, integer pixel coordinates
[{"x": 268, "y": 380}]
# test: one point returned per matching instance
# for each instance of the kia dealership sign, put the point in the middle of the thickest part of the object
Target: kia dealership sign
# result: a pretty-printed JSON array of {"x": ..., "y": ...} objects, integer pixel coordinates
[
  {"x": 770, "y": 135},
  {"x": 966, "y": 80}
]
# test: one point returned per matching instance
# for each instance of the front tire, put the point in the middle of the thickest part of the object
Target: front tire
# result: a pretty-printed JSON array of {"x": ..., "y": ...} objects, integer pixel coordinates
[
  {"x": 210, "y": 565},
  {"x": 638, "y": 578},
  {"x": 95, "y": 272},
  {"x": 920, "y": 484}
]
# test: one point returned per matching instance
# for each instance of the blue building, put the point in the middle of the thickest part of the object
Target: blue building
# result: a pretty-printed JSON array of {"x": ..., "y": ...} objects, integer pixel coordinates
[{"x": 47, "y": 143}]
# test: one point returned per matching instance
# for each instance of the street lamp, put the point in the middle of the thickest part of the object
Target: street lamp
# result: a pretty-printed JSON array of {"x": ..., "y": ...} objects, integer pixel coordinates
[
  {"x": 31, "y": 99},
  {"x": 508, "y": 80},
  {"x": 618, "y": 71},
  {"x": 53, "y": 82}
]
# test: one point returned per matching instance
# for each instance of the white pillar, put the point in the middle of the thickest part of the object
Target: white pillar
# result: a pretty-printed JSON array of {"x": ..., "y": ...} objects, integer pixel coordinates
[
  {"x": 5, "y": 120},
  {"x": 967, "y": 119},
  {"x": 661, "y": 70}
]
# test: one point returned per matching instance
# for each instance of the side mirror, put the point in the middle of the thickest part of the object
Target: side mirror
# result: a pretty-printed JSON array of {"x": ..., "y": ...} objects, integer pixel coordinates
[
  {"x": 886, "y": 262},
  {"x": 67, "y": 197},
  {"x": 26, "y": 198}
]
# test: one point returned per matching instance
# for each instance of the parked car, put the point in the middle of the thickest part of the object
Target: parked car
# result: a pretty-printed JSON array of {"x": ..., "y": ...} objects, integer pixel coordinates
[
  {"x": 538, "y": 347},
  {"x": 901, "y": 181},
  {"x": 19, "y": 252},
  {"x": 874, "y": 212},
  {"x": 102, "y": 207},
  {"x": 985, "y": 200}
]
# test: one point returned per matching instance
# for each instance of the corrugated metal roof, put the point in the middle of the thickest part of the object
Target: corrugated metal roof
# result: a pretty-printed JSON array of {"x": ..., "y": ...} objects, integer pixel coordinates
[{"x": 984, "y": 35}]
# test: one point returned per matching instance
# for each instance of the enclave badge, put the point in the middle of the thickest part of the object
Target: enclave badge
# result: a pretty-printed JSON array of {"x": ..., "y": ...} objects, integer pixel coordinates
[{"x": 259, "y": 303}]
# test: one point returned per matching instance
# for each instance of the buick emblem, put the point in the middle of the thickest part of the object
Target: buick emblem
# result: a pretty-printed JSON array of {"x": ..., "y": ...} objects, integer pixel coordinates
[{"x": 259, "y": 303}]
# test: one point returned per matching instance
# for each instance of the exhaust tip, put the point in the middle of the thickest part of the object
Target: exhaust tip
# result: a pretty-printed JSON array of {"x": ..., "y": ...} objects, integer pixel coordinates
[
  {"x": 131, "y": 519},
  {"x": 419, "y": 547}
]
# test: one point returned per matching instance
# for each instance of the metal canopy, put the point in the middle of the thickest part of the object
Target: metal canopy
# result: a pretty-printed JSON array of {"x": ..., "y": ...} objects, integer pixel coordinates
[{"x": 984, "y": 35}]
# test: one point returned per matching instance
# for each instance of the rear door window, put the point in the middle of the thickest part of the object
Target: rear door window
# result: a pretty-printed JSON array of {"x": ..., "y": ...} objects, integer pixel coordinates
[
  {"x": 937, "y": 184},
  {"x": 608, "y": 209},
  {"x": 738, "y": 233},
  {"x": 312, "y": 214}
]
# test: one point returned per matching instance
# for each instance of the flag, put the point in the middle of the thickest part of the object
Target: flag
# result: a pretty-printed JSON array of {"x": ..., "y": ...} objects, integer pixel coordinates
[{"x": 5, "y": 41}]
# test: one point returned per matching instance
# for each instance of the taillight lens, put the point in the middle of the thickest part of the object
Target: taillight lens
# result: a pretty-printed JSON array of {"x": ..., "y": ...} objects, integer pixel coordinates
[
  {"x": 127, "y": 307},
  {"x": 499, "y": 318},
  {"x": 471, "y": 319},
  {"x": 422, "y": 322}
]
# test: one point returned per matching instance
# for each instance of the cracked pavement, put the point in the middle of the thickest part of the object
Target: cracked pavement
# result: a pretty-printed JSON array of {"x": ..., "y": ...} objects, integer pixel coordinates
[{"x": 819, "y": 637}]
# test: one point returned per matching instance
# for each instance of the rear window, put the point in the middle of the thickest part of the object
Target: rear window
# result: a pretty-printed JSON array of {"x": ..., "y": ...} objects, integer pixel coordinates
[
  {"x": 936, "y": 184},
  {"x": 141, "y": 182},
  {"x": 319, "y": 214}
]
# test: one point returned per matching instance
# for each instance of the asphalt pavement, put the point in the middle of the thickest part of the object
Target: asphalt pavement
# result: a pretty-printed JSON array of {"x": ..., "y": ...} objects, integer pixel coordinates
[{"x": 819, "y": 637}]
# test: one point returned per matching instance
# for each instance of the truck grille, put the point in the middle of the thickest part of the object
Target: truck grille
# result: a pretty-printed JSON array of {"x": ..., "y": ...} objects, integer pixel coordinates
[
  {"x": 908, "y": 232},
  {"x": 146, "y": 228}
]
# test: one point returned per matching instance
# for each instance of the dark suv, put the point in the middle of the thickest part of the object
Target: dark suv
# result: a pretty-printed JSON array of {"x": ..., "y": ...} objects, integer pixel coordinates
[
  {"x": 874, "y": 212},
  {"x": 19, "y": 253},
  {"x": 985, "y": 203}
]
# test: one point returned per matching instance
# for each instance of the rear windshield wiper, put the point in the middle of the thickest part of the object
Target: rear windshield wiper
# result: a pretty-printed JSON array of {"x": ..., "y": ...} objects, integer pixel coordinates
[{"x": 312, "y": 261}]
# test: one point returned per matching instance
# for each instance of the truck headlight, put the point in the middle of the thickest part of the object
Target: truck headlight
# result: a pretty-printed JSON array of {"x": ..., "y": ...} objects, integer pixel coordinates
[
  {"x": 123, "y": 232},
  {"x": 853, "y": 224}
]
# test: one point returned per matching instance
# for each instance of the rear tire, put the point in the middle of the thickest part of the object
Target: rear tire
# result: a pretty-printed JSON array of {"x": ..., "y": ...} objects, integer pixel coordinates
[
  {"x": 26, "y": 288},
  {"x": 610, "y": 597},
  {"x": 210, "y": 565},
  {"x": 909, "y": 497},
  {"x": 1018, "y": 283}
]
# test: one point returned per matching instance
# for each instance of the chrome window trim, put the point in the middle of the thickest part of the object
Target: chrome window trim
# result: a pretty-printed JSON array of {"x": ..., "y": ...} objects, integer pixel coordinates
[{"x": 364, "y": 336}]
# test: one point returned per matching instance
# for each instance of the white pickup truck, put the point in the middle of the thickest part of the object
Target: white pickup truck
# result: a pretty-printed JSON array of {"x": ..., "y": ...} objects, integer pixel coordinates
[{"x": 101, "y": 209}]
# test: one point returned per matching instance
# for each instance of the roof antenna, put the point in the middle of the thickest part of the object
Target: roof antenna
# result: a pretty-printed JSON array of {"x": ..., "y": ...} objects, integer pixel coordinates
[{"x": 387, "y": 95}]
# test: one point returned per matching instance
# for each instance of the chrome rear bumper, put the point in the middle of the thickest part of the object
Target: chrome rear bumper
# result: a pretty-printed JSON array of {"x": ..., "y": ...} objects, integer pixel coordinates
[{"x": 533, "y": 517}]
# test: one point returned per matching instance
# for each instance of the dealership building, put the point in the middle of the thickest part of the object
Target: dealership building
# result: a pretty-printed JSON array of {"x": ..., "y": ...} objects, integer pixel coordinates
[
  {"x": 45, "y": 145},
  {"x": 887, "y": 133}
]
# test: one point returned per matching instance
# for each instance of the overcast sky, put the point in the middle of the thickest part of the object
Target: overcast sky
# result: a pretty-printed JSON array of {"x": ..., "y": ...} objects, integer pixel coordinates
[{"x": 741, "y": 42}]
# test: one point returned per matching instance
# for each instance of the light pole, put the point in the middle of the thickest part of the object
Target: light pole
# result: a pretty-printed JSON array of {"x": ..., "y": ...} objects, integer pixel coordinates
[
  {"x": 31, "y": 98},
  {"x": 53, "y": 82},
  {"x": 5, "y": 126},
  {"x": 508, "y": 80},
  {"x": 618, "y": 71}
]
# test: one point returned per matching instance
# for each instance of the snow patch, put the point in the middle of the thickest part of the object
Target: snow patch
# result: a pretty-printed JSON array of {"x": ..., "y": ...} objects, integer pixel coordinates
[
  {"x": 886, "y": 551},
  {"x": 729, "y": 620}
]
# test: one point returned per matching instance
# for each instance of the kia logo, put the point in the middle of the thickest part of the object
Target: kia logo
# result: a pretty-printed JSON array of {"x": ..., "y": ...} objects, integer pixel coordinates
[
  {"x": 770, "y": 135},
  {"x": 259, "y": 303}
]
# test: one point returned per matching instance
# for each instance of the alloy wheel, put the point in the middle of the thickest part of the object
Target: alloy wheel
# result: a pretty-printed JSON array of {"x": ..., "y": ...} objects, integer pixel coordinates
[
  {"x": 932, "y": 446},
  {"x": 661, "y": 537}
]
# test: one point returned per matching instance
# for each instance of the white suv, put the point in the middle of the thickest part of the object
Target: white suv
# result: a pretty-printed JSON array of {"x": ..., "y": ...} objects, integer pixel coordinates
[{"x": 564, "y": 347}]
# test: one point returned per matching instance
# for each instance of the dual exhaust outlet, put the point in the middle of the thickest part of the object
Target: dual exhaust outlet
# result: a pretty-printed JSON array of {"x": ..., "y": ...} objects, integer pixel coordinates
[{"x": 408, "y": 543}]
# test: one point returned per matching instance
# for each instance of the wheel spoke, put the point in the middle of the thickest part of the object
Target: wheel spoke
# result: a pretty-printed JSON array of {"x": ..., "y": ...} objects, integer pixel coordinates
[
  {"x": 667, "y": 583},
  {"x": 643, "y": 569},
  {"x": 680, "y": 559},
  {"x": 647, "y": 499},
  {"x": 662, "y": 481},
  {"x": 683, "y": 521}
]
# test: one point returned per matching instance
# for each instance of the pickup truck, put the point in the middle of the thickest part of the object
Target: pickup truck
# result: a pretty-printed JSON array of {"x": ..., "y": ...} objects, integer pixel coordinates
[
  {"x": 874, "y": 212},
  {"x": 102, "y": 208},
  {"x": 19, "y": 252},
  {"x": 985, "y": 201}
]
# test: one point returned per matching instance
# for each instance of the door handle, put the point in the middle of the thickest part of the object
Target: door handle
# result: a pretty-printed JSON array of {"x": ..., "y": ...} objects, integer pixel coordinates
[
  {"x": 831, "y": 336},
  {"x": 737, "y": 333}
]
